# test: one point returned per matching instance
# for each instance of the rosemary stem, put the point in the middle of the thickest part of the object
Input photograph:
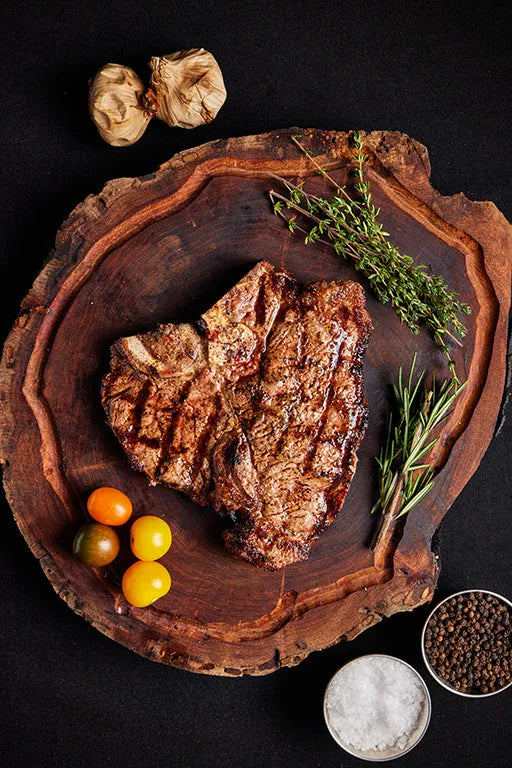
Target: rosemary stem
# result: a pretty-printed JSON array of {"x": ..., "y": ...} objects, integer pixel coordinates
[
  {"x": 393, "y": 508},
  {"x": 387, "y": 520}
]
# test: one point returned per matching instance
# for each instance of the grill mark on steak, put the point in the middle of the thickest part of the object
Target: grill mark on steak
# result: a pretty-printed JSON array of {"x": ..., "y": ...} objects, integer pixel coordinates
[
  {"x": 168, "y": 436},
  {"x": 138, "y": 408},
  {"x": 149, "y": 442},
  {"x": 259, "y": 306},
  {"x": 316, "y": 437},
  {"x": 204, "y": 438},
  {"x": 257, "y": 408}
]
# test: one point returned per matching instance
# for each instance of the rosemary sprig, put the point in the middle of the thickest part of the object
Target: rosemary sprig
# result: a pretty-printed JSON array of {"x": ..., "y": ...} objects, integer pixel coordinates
[
  {"x": 351, "y": 226},
  {"x": 404, "y": 478}
]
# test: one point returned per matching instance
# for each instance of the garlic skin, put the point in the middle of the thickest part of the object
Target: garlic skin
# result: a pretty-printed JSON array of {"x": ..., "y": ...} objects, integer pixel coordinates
[
  {"x": 115, "y": 107},
  {"x": 188, "y": 87}
]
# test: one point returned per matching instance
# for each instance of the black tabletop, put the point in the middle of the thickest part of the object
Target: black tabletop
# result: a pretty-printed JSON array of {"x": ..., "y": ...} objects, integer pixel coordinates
[{"x": 437, "y": 71}]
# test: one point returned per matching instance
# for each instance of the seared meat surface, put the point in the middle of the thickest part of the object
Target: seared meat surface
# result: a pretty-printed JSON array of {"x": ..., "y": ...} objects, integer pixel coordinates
[{"x": 257, "y": 409}]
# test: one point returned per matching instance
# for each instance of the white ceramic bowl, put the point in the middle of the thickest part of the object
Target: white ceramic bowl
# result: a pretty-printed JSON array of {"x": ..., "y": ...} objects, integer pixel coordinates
[
  {"x": 432, "y": 671},
  {"x": 379, "y": 755}
]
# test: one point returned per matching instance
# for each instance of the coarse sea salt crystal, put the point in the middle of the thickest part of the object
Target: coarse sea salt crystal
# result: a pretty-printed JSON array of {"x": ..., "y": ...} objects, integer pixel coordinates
[{"x": 374, "y": 703}]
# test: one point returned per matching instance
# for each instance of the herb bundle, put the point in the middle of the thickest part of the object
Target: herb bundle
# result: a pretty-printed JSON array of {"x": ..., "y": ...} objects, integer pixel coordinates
[
  {"x": 352, "y": 227},
  {"x": 403, "y": 479}
]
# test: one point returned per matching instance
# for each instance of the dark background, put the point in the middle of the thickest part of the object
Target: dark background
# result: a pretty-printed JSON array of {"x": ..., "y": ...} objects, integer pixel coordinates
[{"x": 439, "y": 72}]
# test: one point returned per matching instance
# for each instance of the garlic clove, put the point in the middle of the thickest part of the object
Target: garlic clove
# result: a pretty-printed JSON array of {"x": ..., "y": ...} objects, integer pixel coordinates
[
  {"x": 115, "y": 105},
  {"x": 188, "y": 87}
]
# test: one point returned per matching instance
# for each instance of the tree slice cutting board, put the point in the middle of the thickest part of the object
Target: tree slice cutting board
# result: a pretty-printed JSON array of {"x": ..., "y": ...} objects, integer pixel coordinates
[{"x": 163, "y": 248}]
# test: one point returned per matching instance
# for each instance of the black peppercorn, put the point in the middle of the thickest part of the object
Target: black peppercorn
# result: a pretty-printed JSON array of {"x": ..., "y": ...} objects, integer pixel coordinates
[{"x": 469, "y": 643}]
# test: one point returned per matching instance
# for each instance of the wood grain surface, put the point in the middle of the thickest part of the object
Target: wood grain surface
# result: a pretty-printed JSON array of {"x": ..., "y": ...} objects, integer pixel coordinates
[{"x": 164, "y": 247}]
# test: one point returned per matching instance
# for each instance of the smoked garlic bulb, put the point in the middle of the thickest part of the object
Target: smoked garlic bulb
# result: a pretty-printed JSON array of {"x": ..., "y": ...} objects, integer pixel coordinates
[
  {"x": 186, "y": 90},
  {"x": 115, "y": 105},
  {"x": 188, "y": 87}
]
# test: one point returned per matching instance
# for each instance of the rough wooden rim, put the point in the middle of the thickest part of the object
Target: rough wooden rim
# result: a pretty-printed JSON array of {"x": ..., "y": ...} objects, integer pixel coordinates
[{"x": 42, "y": 320}]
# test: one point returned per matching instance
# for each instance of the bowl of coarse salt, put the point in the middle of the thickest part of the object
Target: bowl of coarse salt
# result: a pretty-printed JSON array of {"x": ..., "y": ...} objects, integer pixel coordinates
[{"x": 377, "y": 707}]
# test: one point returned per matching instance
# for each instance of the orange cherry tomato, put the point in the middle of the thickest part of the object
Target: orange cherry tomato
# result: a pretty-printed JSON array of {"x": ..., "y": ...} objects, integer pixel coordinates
[
  {"x": 144, "y": 582},
  {"x": 109, "y": 506},
  {"x": 150, "y": 537}
]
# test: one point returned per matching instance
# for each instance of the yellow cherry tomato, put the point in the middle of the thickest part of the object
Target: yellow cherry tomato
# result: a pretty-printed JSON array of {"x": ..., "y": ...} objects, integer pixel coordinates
[
  {"x": 144, "y": 582},
  {"x": 150, "y": 537},
  {"x": 109, "y": 506}
]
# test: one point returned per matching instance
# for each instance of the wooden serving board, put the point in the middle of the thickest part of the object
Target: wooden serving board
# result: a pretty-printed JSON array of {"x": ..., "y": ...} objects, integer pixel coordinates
[{"x": 163, "y": 248}]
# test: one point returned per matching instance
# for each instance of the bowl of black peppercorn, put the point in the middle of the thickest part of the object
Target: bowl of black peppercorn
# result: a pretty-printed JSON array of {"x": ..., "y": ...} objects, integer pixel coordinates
[{"x": 467, "y": 643}]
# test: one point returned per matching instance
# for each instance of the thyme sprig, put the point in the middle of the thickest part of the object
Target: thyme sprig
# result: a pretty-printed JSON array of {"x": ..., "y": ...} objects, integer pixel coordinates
[
  {"x": 404, "y": 478},
  {"x": 352, "y": 227}
]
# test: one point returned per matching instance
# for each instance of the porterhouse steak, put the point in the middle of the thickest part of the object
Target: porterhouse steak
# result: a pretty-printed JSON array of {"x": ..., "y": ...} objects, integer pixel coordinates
[{"x": 257, "y": 409}]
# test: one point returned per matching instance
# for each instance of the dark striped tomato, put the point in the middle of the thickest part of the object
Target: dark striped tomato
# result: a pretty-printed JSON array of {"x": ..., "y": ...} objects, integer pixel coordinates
[{"x": 96, "y": 545}]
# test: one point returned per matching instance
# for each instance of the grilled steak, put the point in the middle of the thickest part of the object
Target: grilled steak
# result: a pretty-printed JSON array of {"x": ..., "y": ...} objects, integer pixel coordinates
[{"x": 257, "y": 409}]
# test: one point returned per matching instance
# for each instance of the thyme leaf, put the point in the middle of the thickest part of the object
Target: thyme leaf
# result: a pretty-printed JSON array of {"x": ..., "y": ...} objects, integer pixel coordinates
[{"x": 350, "y": 224}]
